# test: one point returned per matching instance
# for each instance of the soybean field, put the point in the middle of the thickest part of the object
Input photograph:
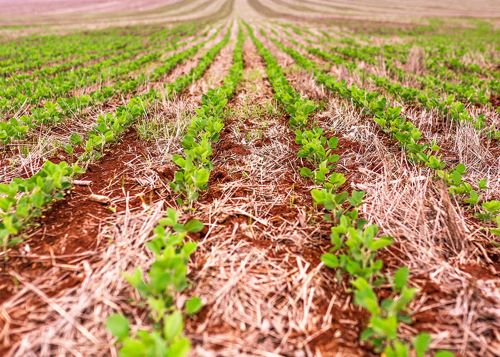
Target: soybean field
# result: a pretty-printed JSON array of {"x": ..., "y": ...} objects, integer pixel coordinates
[{"x": 249, "y": 178}]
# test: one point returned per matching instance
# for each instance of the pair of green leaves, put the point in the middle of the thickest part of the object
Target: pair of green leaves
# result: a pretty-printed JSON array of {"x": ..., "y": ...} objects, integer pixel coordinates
[{"x": 166, "y": 276}]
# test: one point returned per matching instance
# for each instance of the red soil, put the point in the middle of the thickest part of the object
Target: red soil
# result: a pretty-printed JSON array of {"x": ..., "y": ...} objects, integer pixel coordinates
[{"x": 72, "y": 225}]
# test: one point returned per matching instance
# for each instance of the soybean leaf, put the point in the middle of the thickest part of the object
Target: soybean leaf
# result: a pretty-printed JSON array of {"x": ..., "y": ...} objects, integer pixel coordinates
[
  {"x": 421, "y": 344},
  {"x": 194, "y": 226},
  {"x": 193, "y": 305},
  {"x": 118, "y": 325},
  {"x": 173, "y": 325},
  {"x": 356, "y": 198},
  {"x": 444, "y": 354},
  {"x": 401, "y": 278},
  {"x": 330, "y": 260}
]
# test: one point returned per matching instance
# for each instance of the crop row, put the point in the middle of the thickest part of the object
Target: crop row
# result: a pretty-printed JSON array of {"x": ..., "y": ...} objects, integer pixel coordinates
[
  {"x": 38, "y": 58},
  {"x": 18, "y": 94},
  {"x": 76, "y": 61},
  {"x": 86, "y": 55},
  {"x": 438, "y": 61},
  {"x": 466, "y": 86},
  {"x": 110, "y": 127},
  {"x": 34, "y": 53},
  {"x": 167, "y": 275},
  {"x": 442, "y": 57},
  {"x": 182, "y": 81},
  {"x": 391, "y": 120},
  {"x": 448, "y": 106},
  {"x": 54, "y": 112},
  {"x": 20, "y": 200},
  {"x": 353, "y": 239}
]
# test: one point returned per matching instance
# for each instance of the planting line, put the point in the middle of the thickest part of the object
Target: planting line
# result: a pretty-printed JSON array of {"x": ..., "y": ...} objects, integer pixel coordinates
[
  {"x": 53, "y": 113},
  {"x": 351, "y": 236},
  {"x": 167, "y": 275},
  {"x": 409, "y": 137},
  {"x": 17, "y": 211}
]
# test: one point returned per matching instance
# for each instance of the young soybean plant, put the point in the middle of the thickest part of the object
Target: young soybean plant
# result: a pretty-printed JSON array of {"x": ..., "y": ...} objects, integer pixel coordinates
[
  {"x": 385, "y": 316},
  {"x": 166, "y": 277},
  {"x": 24, "y": 199}
]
